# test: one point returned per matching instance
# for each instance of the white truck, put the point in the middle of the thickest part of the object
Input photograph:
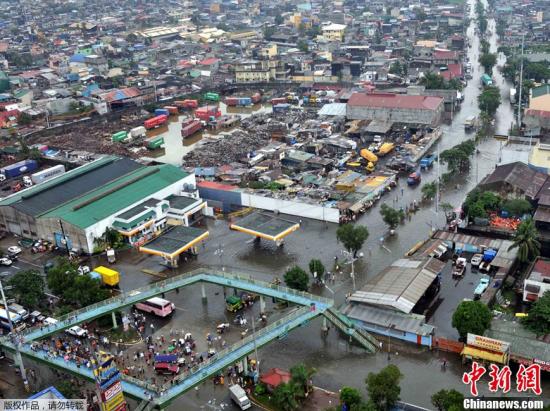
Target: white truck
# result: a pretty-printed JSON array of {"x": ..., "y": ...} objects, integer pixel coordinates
[
  {"x": 47, "y": 174},
  {"x": 238, "y": 395}
]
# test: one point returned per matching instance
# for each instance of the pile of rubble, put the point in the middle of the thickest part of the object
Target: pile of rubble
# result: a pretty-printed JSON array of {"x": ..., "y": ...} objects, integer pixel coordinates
[{"x": 93, "y": 136}]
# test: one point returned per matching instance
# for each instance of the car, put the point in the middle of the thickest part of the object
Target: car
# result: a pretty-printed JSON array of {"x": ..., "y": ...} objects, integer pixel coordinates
[
  {"x": 439, "y": 251},
  {"x": 476, "y": 260},
  {"x": 14, "y": 250},
  {"x": 485, "y": 266},
  {"x": 6, "y": 261},
  {"x": 481, "y": 287},
  {"x": 76, "y": 331},
  {"x": 50, "y": 321}
]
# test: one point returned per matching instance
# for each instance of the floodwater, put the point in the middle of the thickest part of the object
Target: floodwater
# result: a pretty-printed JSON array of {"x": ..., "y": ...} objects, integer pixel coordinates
[
  {"x": 337, "y": 363},
  {"x": 175, "y": 147}
]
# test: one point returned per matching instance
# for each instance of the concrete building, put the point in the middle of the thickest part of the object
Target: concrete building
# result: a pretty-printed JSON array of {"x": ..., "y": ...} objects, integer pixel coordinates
[
  {"x": 333, "y": 32},
  {"x": 538, "y": 281},
  {"x": 253, "y": 71},
  {"x": 75, "y": 208},
  {"x": 396, "y": 108}
]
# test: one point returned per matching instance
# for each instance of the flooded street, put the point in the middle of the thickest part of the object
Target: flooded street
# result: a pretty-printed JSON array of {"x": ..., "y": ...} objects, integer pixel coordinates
[{"x": 338, "y": 363}]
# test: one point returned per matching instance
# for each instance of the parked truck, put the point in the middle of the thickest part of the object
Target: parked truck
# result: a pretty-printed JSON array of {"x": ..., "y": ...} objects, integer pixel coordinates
[
  {"x": 154, "y": 142},
  {"x": 156, "y": 121},
  {"x": 210, "y": 96},
  {"x": 486, "y": 80},
  {"x": 427, "y": 161},
  {"x": 138, "y": 132},
  {"x": 238, "y": 395},
  {"x": 107, "y": 276},
  {"x": 19, "y": 168},
  {"x": 190, "y": 127},
  {"x": 47, "y": 174}
]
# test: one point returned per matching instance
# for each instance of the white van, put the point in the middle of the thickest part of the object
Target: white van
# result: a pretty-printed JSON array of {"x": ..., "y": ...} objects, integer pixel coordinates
[
  {"x": 19, "y": 310},
  {"x": 238, "y": 395}
]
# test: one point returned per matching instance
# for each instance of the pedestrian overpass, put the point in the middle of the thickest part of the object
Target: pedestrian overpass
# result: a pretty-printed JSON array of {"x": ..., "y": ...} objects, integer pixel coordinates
[{"x": 311, "y": 306}]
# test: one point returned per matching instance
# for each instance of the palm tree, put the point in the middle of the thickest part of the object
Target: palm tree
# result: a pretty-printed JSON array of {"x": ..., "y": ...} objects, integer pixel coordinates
[
  {"x": 301, "y": 377},
  {"x": 284, "y": 397},
  {"x": 525, "y": 240}
]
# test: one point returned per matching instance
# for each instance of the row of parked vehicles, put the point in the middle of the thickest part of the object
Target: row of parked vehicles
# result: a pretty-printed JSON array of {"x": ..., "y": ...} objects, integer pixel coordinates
[{"x": 480, "y": 262}]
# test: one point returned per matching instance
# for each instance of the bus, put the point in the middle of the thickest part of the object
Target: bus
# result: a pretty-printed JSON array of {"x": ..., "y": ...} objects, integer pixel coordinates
[
  {"x": 16, "y": 320},
  {"x": 158, "y": 306}
]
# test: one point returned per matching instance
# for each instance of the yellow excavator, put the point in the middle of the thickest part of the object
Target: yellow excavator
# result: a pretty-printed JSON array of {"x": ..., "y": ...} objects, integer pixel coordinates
[{"x": 371, "y": 159}]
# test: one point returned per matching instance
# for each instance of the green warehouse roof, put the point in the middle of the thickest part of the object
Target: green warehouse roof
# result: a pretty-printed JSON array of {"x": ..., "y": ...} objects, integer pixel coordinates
[{"x": 119, "y": 194}]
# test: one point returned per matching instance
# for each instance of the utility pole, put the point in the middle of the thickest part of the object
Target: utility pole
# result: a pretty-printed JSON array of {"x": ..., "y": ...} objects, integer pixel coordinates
[
  {"x": 64, "y": 238},
  {"x": 16, "y": 341},
  {"x": 520, "y": 82},
  {"x": 255, "y": 346}
]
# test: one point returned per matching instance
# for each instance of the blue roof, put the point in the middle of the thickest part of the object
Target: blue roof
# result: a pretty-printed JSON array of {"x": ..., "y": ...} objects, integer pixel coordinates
[
  {"x": 73, "y": 77},
  {"x": 87, "y": 92},
  {"x": 77, "y": 58},
  {"x": 48, "y": 393}
]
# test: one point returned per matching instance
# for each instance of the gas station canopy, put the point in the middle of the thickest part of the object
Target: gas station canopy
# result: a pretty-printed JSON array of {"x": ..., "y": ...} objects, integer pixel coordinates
[
  {"x": 175, "y": 241},
  {"x": 265, "y": 226}
]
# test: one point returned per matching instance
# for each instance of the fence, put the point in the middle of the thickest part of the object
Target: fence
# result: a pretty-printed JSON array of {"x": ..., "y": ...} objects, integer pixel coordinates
[{"x": 449, "y": 345}]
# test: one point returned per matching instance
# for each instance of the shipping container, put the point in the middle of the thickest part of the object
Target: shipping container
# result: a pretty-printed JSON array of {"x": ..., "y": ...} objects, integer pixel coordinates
[
  {"x": 231, "y": 101},
  {"x": 172, "y": 109},
  {"x": 279, "y": 108},
  {"x": 190, "y": 127},
  {"x": 212, "y": 96},
  {"x": 205, "y": 113},
  {"x": 155, "y": 121},
  {"x": 19, "y": 168},
  {"x": 245, "y": 101},
  {"x": 47, "y": 174},
  {"x": 154, "y": 142},
  {"x": 119, "y": 136},
  {"x": 161, "y": 112},
  {"x": 138, "y": 132},
  {"x": 278, "y": 100}
]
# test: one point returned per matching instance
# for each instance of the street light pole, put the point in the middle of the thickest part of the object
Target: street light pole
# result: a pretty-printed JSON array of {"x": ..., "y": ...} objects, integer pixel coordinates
[
  {"x": 16, "y": 341},
  {"x": 255, "y": 346}
]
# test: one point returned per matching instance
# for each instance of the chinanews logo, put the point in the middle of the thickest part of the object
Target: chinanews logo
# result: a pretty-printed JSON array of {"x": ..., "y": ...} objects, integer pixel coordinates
[{"x": 527, "y": 380}]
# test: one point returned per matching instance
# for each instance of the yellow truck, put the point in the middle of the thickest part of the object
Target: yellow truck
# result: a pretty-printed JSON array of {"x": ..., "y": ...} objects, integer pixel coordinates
[
  {"x": 385, "y": 149},
  {"x": 369, "y": 156},
  {"x": 108, "y": 277}
]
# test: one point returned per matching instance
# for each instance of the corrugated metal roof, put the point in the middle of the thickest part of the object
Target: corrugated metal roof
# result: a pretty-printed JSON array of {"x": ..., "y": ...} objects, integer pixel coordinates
[
  {"x": 399, "y": 286},
  {"x": 387, "y": 100},
  {"x": 333, "y": 109},
  {"x": 384, "y": 318},
  {"x": 117, "y": 195},
  {"x": 75, "y": 183}
]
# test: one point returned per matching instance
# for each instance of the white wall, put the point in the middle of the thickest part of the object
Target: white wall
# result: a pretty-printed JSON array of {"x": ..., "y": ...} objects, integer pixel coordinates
[
  {"x": 99, "y": 228},
  {"x": 295, "y": 208}
]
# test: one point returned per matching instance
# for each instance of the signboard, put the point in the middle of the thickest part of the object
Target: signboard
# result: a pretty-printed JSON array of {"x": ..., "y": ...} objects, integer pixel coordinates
[
  {"x": 544, "y": 365},
  {"x": 487, "y": 343},
  {"x": 114, "y": 403},
  {"x": 110, "y": 392}
]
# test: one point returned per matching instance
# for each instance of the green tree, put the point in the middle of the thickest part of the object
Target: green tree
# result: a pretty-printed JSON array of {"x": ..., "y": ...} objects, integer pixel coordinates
[
  {"x": 391, "y": 216},
  {"x": 28, "y": 287},
  {"x": 432, "y": 81},
  {"x": 85, "y": 291},
  {"x": 538, "y": 320},
  {"x": 279, "y": 19},
  {"x": 297, "y": 278},
  {"x": 525, "y": 240},
  {"x": 448, "y": 400},
  {"x": 131, "y": 38},
  {"x": 489, "y": 100},
  {"x": 396, "y": 68},
  {"x": 300, "y": 376},
  {"x": 488, "y": 61},
  {"x": 517, "y": 207},
  {"x": 302, "y": 45},
  {"x": 350, "y": 397},
  {"x": 284, "y": 396},
  {"x": 269, "y": 31},
  {"x": 316, "y": 267},
  {"x": 471, "y": 317},
  {"x": 429, "y": 190},
  {"x": 68, "y": 388},
  {"x": 383, "y": 387},
  {"x": 352, "y": 237},
  {"x": 60, "y": 277}
]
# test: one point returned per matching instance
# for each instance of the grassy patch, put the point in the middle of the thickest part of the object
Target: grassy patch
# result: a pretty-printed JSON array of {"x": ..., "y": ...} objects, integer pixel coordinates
[
  {"x": 265, "y": 400},
  {"x": 129, "y": 336}
]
